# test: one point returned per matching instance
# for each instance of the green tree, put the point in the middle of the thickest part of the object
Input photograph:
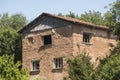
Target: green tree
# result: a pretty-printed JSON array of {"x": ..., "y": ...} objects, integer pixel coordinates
[
  {"x": 60, "y": 14},
  {"x": 109, "y": 68},
  {"x": 80, "y": 67},
  {"x": 10, "y": 40},
  {"x": 112, "y": 17},
  {"x": 10, "y": 43},
  {"x": 10, "y": 70},
  {"x": 4, "y": 20},
  {"x": 109, "y": 20},
  {"x": 93, "y": 17},
  {"x": 15, "y": 21},
  {"x": 72, "y": 15},
  {"x": 115, "y": 9}
]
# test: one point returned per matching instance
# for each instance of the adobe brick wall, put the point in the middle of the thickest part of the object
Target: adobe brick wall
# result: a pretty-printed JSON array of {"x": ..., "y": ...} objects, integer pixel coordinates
[
  {"x": 64, "y": 44},
  {"x": 61, "y": 47},
  {"x": 99, "y": 47}
]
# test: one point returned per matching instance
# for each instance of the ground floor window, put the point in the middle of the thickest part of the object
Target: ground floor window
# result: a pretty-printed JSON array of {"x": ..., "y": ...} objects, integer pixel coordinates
[
  {"x": 36, "y": 65},
  {"x": 58, "y": 63}
]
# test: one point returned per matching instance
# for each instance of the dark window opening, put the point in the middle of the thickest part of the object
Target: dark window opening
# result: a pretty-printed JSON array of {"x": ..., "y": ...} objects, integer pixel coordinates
[
  {"x": 58, "y": 63},
  {"x": 47, "y": 39},
  {"x": 35, "y": 65},
  {"x": 31, "y": 40},
  {"x": 86, "y": 37}
]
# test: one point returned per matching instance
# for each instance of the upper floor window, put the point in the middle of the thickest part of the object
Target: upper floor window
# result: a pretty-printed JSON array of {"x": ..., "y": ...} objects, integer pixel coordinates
[
  {"x": 35, "y": 65},
  {"x": 58, "y": 63},
  {"x": 86, "y": 37},
  {"x": 47, "y": 40},
  {"x": 31, "y": 40}
]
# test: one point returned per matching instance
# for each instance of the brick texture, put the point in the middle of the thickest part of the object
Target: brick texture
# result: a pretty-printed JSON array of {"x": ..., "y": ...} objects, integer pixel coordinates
[{"x": 65, "y": 41}]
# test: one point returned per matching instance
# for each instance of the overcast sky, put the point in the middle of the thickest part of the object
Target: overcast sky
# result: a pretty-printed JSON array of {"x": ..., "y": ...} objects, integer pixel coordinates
[{"x": 33, "y": 8}]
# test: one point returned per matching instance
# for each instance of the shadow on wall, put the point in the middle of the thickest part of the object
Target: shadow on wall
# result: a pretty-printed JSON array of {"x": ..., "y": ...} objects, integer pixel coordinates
[{"x": 64, "y": 31}]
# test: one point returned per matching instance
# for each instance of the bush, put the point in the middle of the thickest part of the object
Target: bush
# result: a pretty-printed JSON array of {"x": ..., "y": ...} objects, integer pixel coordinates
[
  {"x": 10, "y": 70},
  {"x": 80, "y": 67}
]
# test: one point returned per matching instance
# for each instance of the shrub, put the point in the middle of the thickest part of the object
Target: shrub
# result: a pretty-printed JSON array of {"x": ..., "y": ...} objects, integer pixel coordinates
[
  {"x": 80, "y": 67},
  {"x": 10, "y": 70}
]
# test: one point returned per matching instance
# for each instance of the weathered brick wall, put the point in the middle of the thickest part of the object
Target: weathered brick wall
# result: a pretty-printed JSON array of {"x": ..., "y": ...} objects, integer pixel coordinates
[
  {"x": 99, "y": 47},
  {"x": 64, "y": 44},
  {"x": 61, "y": 47}
]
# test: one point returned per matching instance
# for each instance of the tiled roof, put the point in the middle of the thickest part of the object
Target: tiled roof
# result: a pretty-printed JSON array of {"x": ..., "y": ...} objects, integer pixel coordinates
[{"x": 73, "y": 20}]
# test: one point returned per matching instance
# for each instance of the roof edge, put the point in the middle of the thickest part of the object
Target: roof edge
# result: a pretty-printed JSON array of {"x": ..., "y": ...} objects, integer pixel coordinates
[{"x": 73, "y": 20}]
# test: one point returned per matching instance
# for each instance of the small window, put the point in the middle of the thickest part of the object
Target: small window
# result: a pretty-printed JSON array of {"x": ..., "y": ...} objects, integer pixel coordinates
[
  {"x": 30, "y": 39},
  {"x": 86, "y": 37},
  {"x": 35, "y": 65},
  {"x": 47, "y": 40},
  {"x": 58, "y": 63}
]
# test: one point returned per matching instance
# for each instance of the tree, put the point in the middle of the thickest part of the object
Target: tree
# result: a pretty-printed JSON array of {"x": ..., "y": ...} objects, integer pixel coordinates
[
  {"x": 112, "y": 17},
  {"x": 71, "y": 15},
  {"x": 15, "y": 21},
  {"x": 109, "y": 68},
  {"x": 60, "y": 14},
  {"x": 93, "y": 17},
  {"x": 10, "y": 70},
  {"x": 10, "y": 40},
  {"x": 80, "y": 67},
  {"x": 10, "y": 43},
  {"x": 115, "y": 9},
  {"x": 4, "y": 20},
  {"x": 109, "y": 20}
]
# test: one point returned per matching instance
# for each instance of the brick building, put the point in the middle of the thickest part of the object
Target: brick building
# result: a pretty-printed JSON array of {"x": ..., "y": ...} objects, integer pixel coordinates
[{"x": 49, "y": 40}]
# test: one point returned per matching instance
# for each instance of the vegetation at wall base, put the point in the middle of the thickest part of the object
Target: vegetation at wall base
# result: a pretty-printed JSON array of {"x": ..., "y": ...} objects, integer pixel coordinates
[
  {"x": 80, "y": 68},
  {"x": 10, "y": 70}
]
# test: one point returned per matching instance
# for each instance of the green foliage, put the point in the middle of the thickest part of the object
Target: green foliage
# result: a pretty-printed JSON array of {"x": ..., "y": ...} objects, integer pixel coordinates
[
  {"x": 4, "y": 20},
  {"x": 93, "y": 17},
  {"x": 109, "y": 19},
  {"x": 80, "y": 68},
  {"x": 112, "y": 17},
  {"x": 115, "y": 9},
  {"x": 71, "y": 15},
  {"x": 116, "y": 30},
  {"x": 109, "y": 68},
  {"x": 10, "y": 70},
  {"x": 15, "y": 21},
  {"x": 10, "y": 42},
  {"x": 8, "y": 39},
  {"x": 38, "y": 79},
  {"x": 60, "y": 14}
]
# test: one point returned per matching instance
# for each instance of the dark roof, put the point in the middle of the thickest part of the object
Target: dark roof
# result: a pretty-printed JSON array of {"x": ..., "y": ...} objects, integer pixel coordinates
[{"x": 72, "y": 20}]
